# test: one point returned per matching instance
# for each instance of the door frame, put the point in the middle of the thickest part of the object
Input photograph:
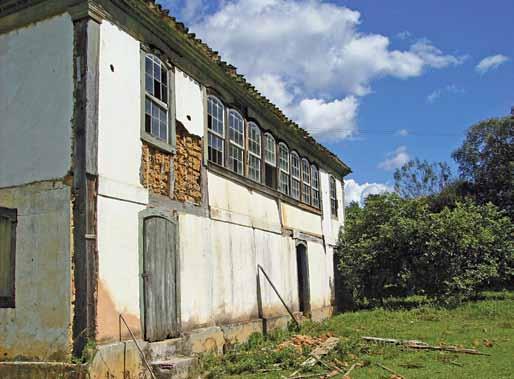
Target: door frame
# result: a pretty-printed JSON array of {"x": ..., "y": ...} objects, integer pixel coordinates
[{"x": 143, "y": 215}]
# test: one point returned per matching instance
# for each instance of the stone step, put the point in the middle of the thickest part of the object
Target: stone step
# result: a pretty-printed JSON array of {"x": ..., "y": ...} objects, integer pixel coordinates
[{"x": 175, "y": 367}]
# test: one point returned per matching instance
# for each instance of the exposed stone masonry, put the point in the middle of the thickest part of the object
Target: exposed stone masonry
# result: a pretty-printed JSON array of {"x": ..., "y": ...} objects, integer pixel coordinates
[
  {"x": 188, "y": 165},
  {"x": 185, "y": 183}
]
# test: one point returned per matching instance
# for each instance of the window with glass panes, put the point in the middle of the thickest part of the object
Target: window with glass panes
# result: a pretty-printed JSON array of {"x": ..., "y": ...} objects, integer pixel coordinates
[
  {"x": 315, "y": 187},
  {"x": 216, "y": 130},
  {"x": 270, "y": 161},
  {"x": 284, "y": 168},
  {"x": 156, "y": 99},
  {"x": 306, "y": 181},
  {"x": 236, "y": 134},
  {"x": 295, "y": 176},
  {"x": 333, "y": 197},
  {"x": 254, "y": 152}
]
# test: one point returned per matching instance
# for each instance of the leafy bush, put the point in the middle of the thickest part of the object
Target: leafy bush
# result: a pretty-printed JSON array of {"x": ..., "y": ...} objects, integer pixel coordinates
[{"x": 399, "y": 247}]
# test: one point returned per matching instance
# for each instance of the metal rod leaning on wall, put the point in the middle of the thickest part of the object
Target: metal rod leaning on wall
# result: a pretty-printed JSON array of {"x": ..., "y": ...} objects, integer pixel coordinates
[
  {"x": 278, "y": 294},
  {"x": 121, "y": 318}
]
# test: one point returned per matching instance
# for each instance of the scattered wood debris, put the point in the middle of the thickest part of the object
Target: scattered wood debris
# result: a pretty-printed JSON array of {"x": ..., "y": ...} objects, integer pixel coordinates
[
  {"x": 414, "y": 344},
  {"x": 315, "y": 356},
  {"x": 298, "y": 342}
]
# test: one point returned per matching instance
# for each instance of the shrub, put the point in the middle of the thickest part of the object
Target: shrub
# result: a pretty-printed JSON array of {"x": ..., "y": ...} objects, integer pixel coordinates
[{"x": 398, "y": 247}]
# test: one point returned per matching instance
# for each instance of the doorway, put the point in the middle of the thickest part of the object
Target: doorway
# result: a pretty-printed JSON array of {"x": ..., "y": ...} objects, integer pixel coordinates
[
  {"x": 160, "y": 279},
  {"x": 302, "y": 265}
]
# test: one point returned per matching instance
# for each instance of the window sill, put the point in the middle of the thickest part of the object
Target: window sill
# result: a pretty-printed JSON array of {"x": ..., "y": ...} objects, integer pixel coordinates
[
  {"x": 155, "y": 142},
  {"x": 249, "y": 183}
]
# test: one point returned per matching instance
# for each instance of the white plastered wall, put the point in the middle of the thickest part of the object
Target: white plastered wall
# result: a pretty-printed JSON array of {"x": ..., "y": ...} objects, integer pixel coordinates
[
  {"x": 189, "y": 103},
  {"x": 121, "y": 196},
  {"x": 36, "y": 102}
]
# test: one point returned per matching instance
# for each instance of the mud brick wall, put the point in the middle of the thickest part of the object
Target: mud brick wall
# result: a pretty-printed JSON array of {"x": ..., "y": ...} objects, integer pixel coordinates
[
  {"x": 188, "y": 165},
  {"x": 184, "y": 183},
  {"x": 155, "y": 170}
]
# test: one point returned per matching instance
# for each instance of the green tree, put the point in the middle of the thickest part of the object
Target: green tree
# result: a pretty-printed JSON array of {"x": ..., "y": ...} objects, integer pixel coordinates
[
  {"x": 486, "y": 160},
  {"x": 419, "y": 178},
  {"x": 396, "y": 247}
]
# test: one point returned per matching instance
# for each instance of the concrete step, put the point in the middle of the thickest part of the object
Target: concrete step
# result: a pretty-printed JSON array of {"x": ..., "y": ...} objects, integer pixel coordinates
[{"x": 175, "y": 367}]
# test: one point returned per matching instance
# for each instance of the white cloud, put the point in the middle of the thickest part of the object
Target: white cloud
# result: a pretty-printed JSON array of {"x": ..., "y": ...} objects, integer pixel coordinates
[
  {"x": 336, "y": 119},
  {"x": 404, "y": 35},
  {"x": 355, "y": 192},
  {"x": 395, "y": 159},
  {"x": 490, "y": 63},
  {"x": 402, "y": 133},
  {"x": 449, "y": 89},
  {"x": 315, "y": 52}
]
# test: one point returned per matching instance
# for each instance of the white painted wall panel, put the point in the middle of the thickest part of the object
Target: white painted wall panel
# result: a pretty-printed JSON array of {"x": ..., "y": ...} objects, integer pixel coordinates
[
  {"x": 189, "y": 103},
  {"x": 318, "y": 275},
  {"x": 36, "y": 102},
  {"x": 235, "y": 203},
  {"x": 298, "y": 219},
  {"x": 119, "y": 113}
]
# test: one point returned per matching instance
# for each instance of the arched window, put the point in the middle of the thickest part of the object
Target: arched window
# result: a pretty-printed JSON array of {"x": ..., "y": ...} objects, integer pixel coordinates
[
  {"x": 270, "y": 161},
  {"x": 254, "y": 152},
  {"x": 236, "y": 135},
  {"x": 283, "y": 178},
  {"x": 295, "y": 176},
  {"x": 216, "y": 127},
  {"x": 156, "y": 98},
  {"x": 315, "y": 187},
  {"x": 306, "y": 180},
  {"x": 333, "y": 197}
]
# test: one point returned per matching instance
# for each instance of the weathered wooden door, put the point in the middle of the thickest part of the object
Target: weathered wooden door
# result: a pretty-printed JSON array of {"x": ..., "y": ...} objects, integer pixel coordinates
[
  {"x": 160, "y": 261},
  {"x": 302, "y": 265}
]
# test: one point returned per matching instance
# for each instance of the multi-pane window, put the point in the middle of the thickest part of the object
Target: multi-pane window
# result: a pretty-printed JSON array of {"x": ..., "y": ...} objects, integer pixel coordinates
[
  {"x": 254, "y": 150},
  {"x": 156, "y": 99},
  {"x": 7, "y": 256},
  {"x": 315, "y": 187},
  {"x": 236, "y": 133},
  {"x": 295, "y": 176},
  {"x": 270, "y": 161},
  {"x": 284, "y": 168},
  {"x": 306, "y": 181},
  {"x": 216, "y": 126},
  {"x": 333, "y": 197}
]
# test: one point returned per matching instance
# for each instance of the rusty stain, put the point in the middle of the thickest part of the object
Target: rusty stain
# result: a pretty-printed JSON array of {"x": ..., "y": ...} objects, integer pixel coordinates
[{"x": 108, "y": 318}]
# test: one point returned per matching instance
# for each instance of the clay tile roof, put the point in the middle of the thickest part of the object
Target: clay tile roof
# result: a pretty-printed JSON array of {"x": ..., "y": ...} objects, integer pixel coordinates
[{"x": 231, "y": 70}]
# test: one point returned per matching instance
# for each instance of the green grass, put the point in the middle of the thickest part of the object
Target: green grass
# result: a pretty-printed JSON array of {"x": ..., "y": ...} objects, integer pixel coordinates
[{"x": 468, "y": 325}]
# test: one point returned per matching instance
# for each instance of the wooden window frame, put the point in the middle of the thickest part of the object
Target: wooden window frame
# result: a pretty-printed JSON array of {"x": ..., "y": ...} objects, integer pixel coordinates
[
  {"x": 222, "y": 135},
  {"x": 316, "y": 189},
  {"x": 281, "y": 170},
  {"x": 12, "y": 216},
  {"x": 169, "y": 145},
  {"x": 334, "y": 206},
  {"x": 257, "y": 156},
  {"x": 233, "y": 143},
  {"x": 306, "y": 181},
  {"x": 296, "y": 178}
]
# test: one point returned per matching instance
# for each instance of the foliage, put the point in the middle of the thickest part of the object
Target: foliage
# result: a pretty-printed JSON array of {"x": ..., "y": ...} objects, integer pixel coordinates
[
  {"x": 399, "y": 247},
  {"x": 420, "y": 178},
  {"x": 486, "y": 160},
  {"x": 473, "y": 324}
]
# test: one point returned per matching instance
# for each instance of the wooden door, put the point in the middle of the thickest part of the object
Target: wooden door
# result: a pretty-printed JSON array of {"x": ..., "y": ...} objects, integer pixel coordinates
[
  {"x": 302, "y": 265},
  {"x": 160, "y": 261}
]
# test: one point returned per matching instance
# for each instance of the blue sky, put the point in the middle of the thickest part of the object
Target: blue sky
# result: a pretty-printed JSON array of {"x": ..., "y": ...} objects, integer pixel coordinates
[{"x": 378, "y": 82}]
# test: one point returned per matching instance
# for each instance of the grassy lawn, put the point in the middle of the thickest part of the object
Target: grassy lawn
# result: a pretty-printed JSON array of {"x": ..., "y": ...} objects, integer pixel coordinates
[{"x": 487, "y": 325}]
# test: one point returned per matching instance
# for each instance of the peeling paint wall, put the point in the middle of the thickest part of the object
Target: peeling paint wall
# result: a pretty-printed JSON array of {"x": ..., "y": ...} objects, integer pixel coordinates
[
  {"x": 298, "y": 219},
  {"x": 120, "y": 196},
  {"x": 40, "y": 326},
  {"x": 156, "y": 170},
  {"x": 219, "y": 272},
  {"x": 36, "y": 102},
  {"x": 189, "y": 103}
]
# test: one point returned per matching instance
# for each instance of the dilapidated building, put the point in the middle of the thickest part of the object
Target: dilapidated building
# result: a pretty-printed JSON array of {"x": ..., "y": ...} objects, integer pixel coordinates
[{"x": 142, "y": 176}]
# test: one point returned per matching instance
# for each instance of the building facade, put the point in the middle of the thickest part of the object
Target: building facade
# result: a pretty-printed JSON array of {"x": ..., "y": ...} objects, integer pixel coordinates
[{"x": 141, "y": 176}]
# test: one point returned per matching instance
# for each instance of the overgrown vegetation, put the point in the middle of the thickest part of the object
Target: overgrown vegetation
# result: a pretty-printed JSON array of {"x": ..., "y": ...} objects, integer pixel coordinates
[
  {"x": 400, "y": 247},
  {"x": 485, "y": 325}
]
